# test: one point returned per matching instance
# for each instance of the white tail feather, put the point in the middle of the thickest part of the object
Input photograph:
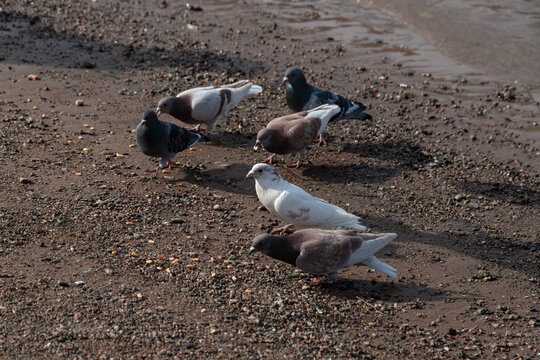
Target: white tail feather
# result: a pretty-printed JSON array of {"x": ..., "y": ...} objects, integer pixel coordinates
[
  {"x": 378, "y": 265},
  {"x": 255, "y": 89}
]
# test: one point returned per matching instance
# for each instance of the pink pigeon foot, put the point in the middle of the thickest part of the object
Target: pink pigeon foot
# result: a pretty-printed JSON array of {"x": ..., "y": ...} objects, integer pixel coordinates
[
  {"x": 295, "y": 165},
  {"x": 196, "y": 128},
  {"x": 156, "y": 170},
  {"x": 268, "y": 160},
  {"x": 316, "y": 282},
  {"x": 320, "y": 141},
  {"x": 282, "y": 230}
]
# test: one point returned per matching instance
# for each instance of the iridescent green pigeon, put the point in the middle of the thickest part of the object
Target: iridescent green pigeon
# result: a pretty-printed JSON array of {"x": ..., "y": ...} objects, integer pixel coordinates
[{"x": 302, "y": 96}]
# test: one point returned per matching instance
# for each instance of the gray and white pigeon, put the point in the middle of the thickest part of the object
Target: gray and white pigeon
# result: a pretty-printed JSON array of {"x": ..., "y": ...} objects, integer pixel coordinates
[
  {"x": 325, "y": 252},
  {"x": 203, "y": 105},
  {"x": 295, "y": 206},
  {"x": 302, "y": 96},
  {"x": 293, "y": 133},
  {"x": 162, "y": 139}
]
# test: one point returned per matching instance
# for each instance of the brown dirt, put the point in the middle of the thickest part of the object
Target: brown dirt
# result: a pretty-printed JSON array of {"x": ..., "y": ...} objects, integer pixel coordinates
[{"x": 448, "y": 165}]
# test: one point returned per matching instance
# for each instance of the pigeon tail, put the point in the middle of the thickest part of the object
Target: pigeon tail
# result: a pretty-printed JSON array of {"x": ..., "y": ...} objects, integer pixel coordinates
[
  {"x": 357, "y": 112},
  {"x": 196, "y": 137},
  {"x": 378, "y": 265},
  {"x": 371, "y": 243},
  {"x": 356, "y": 227},
  {"x": 255, "y": 89}
]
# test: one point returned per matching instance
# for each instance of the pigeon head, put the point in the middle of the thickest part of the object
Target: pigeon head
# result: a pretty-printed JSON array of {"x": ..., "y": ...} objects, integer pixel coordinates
[
  {"x": 277, "y": 247},
  {"x": 166, "y": 105},
  {"x": 295, "y": 78},
  {"x": 149, "y": 117},
  {"x": 263, "y": 172},
  {"x": 270, "y": 139},
  {"x": 262, "y": 243}
]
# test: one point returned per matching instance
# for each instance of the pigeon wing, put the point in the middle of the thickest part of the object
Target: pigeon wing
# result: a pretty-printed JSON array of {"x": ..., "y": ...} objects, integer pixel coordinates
[
  {"x": 207, "y": 105},
  {"x": 196, "y": 90},
  {"x": 178, "y": 139},
  {"x": 324, "y": 254},
  {"x": 296, "y": 206}
]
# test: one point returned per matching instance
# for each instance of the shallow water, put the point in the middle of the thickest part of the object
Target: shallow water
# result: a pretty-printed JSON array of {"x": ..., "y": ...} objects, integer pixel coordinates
[{"x": 450, "y": 38}]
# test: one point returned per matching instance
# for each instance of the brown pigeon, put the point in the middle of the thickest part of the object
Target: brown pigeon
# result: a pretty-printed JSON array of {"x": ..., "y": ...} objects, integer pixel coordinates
[
  {"x": 325, "y": 252},
  {"x": 293, "y": 133}
]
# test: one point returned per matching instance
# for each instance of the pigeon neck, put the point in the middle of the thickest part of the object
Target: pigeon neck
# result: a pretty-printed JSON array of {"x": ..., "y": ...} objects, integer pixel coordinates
[
  {"x": 180, "y": 109},
  {"x": 297, "y": 96},
  {"x": 154, "y": 132},
  {"x": 282, "y": 249}
]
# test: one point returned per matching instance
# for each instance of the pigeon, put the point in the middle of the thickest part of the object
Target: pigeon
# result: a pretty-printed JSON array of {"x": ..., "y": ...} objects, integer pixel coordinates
[
  {"x": 325, "y": 252},
  {"x": 292, "y": 133},
  {"x": 302, "y": 96},
  {"x": 162, "y": 139},
  {"x": 203, "y": 105},
  {"x": 295, "y": 206}
]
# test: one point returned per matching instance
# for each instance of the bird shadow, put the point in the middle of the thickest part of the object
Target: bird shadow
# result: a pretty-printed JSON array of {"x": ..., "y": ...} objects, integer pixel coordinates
[
  {"x": 229, "y": 178},
  {"x": 346, "y": 173},
  {"x": 404, "y": 153},
  {"x": 32, "y": 37},
  {"x": 467, "y": 241},
  {"x": 233, "y": 140},
  {"x": 383, "y": 290},
  {"x": 510, "y": 193}
]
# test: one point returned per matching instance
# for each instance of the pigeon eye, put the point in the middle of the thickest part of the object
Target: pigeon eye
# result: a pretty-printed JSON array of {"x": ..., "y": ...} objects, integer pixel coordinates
[{"x": 260, "y": 170}]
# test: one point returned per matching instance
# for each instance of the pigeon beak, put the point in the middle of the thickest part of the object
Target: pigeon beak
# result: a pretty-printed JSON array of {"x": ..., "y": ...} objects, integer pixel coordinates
[
  {"x": 252, "y": 250},
  {"x": 143, "y": 121},
  {"x": 285, "y": 80},
  {"x": 256, "y": 146},
  {"x": 249, "y": 174},
  {"x": 158, "y": 111}
]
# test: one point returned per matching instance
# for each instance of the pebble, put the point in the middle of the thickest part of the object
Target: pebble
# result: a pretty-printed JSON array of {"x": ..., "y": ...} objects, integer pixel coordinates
[
  {"x": 217, "y": 207},
  {"x": 79, "y": 102},
  {"x": 79, "y": 283}
]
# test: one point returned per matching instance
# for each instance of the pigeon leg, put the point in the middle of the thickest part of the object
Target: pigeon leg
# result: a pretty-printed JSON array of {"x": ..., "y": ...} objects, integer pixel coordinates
[
  {"x": 196, "y": 128},
  {"x": 295, "y": 165},
  {"x": 299, "y": 162},
  {"x": 155, "y": 171},
  {"x": 317, "y": 282},
  {"x": 162, "y": 165},
  {"x": 282, "y": 230},
  {"x": 320, "y": 141},
  {"x": 268, "y": 160}
]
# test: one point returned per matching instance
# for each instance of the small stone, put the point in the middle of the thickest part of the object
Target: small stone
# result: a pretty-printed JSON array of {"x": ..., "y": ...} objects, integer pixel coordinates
[
  {"x": 177, "y": 220},
  {"x": 23, "y": 180},
  {"x": 63, "y": 284},
  {"x": 217, "y": 207},
  {"x": 79, "y": 102},
  {"x": 79, "y": 283}
]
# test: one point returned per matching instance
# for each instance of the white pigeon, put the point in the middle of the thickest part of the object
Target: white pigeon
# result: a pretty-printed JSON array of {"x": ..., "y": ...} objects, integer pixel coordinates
[
  {"x": 203, "y": 105},
  {"x": 295, "y": 206}
]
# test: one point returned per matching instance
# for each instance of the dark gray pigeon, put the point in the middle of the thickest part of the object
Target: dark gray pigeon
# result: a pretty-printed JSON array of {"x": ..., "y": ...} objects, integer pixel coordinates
[
  {"x": 302, "y": 96},
  {"x": 293, "y": 133},
  {"x": 203, "y": 105},
  {"x": 162, "y": 139},
  {"x": 325, "y": 252}
]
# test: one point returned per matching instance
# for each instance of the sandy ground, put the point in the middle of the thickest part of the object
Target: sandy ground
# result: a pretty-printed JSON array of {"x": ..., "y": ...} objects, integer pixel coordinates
[{"x": 101, "y": 260}]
